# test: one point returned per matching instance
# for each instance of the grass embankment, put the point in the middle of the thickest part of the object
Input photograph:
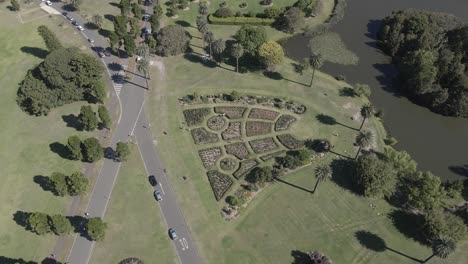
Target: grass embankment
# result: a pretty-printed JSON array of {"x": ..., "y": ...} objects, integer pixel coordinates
[
  {"x": 135, "y": 225},
  {"x": 26, "y": 150}
]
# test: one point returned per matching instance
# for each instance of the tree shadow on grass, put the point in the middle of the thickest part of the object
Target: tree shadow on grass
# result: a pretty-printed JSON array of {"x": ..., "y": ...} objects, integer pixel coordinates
[
  {"x": 109, "y": 17},
  {"x": 7, "y": 260},
  {"x": 38, "y": 52},
  {"x": 72, "y": 121},
  {"x": 300, "y": 257},
  {"x": 347, "y": 92},
  {"x": 292, "y": 185},
  {"x": 375, "y": 243},
  {"x": 183, "y": 23},
  {"x": 45, "y": 183},
  {"x": 91, "y": 26},
  {"x": 329, "y": 120},
  {"x": 198, "y": 59},
  {"x": 273, "y": 75},
  {"x": 60, "y": 149},
  {"x": 21, "y": 219},
  {"x": 79, "y": 225},
  {"x": 104, "y": 32},
  {"x": 69, "y": 8},
  {"x": 410, "y": 225},
  {"x": 342, "y": 173}
]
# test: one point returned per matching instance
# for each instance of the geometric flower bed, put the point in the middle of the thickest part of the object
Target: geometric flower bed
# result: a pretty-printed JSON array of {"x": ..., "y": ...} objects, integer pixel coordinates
[
  {"x": 263, "y": 145},
  {"x": 202, "y": 136},
  {"x": 263, "y": 114},
  {"x": 239, "y": 150},
  {"x": 220, "y": 183},
  {"x": 290, "y": 141},
  {"x": 196, "y": 116},
  {"x": 272, "y": 155},
  {"x": 233, "y": 131},
  {"x": 231, "y": 112},
  {"x": 245, "y": 167},
  {"x": 210, "y": 156},
  {"x": 255, "y": 128},
  {"x": 227, "y": 164},
  {"x": 284, "y": 122},
  {"x": 215, "y": 123}
]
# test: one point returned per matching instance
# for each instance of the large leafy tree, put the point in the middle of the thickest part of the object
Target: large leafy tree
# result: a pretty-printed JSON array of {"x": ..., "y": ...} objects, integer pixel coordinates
[
  {"x": 292, "y": 20},
  {"x": 271, "y": 53},
  {"x": 439, "y": 223},
  {"x": 322, "y": 172},
  {"x": 87, "y": 118},
  {"x": 122, "y": 150},
  {"x": 60, "y": 225},
  {"x": 120, "y": 26},
  {"x": 367, "y": 111},
  {"x": 96, "y": 228},
  {"x": 374, "y": 177},
  {"x": 237, "y": 51},
  {"x": 251, "y": 38},
  {"x": 424, "y": 191},
  {"x": 106, "y": 120},
  {"x": 50, "y": 39},
  {"x": 402, "y": 162},
  {"x": 129, "y": 44},
  {"x": 59, "y": 183},
  {"x": 262, "y": 175},
  {"x": 92, "y": 150},
  {"x": 172, "y": 40},
  {"x": 74, "y": 147},
  {"x": 39, "y": 223},
  {"x": 77, "y": 184}
]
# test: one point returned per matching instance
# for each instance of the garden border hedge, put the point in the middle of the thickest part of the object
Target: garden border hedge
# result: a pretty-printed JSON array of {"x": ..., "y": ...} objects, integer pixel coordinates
[{"x": 256, "y": 21}]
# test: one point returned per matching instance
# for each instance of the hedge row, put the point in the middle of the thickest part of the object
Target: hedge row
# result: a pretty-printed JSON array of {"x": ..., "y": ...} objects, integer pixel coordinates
[{"x": 240, "y": 20}]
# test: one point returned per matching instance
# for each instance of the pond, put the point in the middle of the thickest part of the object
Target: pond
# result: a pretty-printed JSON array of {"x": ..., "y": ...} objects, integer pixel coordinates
[{"x": 436, "y": 142}]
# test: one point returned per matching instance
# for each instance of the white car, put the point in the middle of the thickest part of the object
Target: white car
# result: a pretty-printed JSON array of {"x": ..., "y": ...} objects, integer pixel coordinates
[
  {"x": 49, "y": 3},
  {"x": 91, "y": 40},
  {"x": 80, "y": 28}
]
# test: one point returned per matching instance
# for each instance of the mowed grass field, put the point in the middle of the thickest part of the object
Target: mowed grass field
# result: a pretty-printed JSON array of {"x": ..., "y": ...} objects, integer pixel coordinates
[
  {"x": 25, "y": 150},
  {"x": 135, "y": 225}
]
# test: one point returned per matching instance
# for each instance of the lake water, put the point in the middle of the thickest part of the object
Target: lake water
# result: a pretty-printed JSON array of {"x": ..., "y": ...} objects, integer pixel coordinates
[{"x": 437, "y": 143}]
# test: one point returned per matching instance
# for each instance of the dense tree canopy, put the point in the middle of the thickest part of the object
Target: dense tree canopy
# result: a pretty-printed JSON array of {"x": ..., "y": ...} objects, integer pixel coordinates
[
  {"x": 96, "y": 228},
  {"x": 271, "y": 53},
  {"x": 251, "y": 38},
  {"x": 92, "y": 150},
  {"x": 431, "y": 51},
  {"x": 439, "y": 223},
  {"x": 292, "y": 20},
  {"x": 172, "y": 40},
  {"x": 424, "y": 191},
  {"x": 374, "y": 177}
]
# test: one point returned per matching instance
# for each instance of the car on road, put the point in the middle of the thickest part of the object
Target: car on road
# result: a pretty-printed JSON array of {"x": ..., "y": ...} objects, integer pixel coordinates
[
  {"x": 49, "y": 3},
  {"x": 91, "y": 40},
  {"x": 107, "y": 53},
  {"x": 158, "y": 196},
  {"x": 152, "y": 180},
  {"x": 74, "y": 22},
  {"x": 146, "y": 17},
  {"x": 80, "y": 28},
  {"x": 101, "y": 54},
  {"x": 65, "y": 14},
  {"x": 172, "y": 233}
]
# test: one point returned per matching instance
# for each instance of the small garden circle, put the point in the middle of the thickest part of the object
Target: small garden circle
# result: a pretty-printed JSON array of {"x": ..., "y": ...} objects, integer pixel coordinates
[
  {"x": 216, "y": 123},
  {"x": 227, "y": 164}
]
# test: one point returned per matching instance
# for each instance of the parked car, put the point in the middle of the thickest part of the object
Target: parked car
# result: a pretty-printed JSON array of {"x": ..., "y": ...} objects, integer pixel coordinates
[
  {"x": 49, "y": 3},
  {"x": 65, "y": 14},
  {"x": 152, "y": 180},
  {"x": 74, "y": 22},
  {"x": 146, "y": 17},
  {"x": 80, "y": 28},
  {"x": 101, "y": 54},
  {"x": 91, "y": 40},
  {"x": 107, "y": 53},
  {"x": 158, "y": 196},
  {"x": 172, "y": 233}
]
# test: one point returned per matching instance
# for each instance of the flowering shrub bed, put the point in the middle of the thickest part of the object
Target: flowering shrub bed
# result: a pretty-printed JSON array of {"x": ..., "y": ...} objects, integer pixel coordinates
[
  {"x": 255, "y": 128},
  {"x": 231, "y": 112},
  {"x": 245, "y": 167},
  {"x": 196, "y": 116},
  {"x": 220, "y": 183},
  {"x": 202, "y": 136},
  {"x": 284, "y": 122},
  {"x": 227, "y": 164},
  {"x": 210, "y": 156},
  {"x": 290, "y": 141},
  {"x": 233, "y": 131},
  {"x": 263, "y": 114},
  {"x": 216, "y": 123},
  {"x": 263, "y": 145},
  {"x": 272, "y": 155},
  {"x": 237, "y": 149}
]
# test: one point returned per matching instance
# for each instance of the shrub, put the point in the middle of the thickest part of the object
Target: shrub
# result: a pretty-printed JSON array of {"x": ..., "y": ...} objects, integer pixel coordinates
[
  {"x": 220, "y": 183},
  {"x": 96, "y": 228},
  {"x": 362, "y": 90},
  {"x": 50, "y": 39},
  {"x": 272, "y": 155},
  {"x": 122, "y": 151},
  {"x": 87, "y": 118},
  {"x": 196, "y": 116},
  {"x": 92, "y": 150},
  {"x": 239, "y": 20},
  {"x": 243, "y": 5},
  {"x": 223, "y": 12},
  {"x": 104, "y": 116},
  {"x": 262, "y": 175},
  {"x": 272, "y": 12},
  {"x": 172, "y": 40},
  {"x": 232, "y": 200},
  {"x": 74, "y": 148},
  {"x": 227, "y": 164},
  {"x": 15, "y": 6}
]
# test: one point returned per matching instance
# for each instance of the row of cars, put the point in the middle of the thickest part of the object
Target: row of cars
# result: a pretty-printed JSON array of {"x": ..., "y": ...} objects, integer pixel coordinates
[
  {"x": 158, "y": 197},
  {"x": 74, "y": 22}
]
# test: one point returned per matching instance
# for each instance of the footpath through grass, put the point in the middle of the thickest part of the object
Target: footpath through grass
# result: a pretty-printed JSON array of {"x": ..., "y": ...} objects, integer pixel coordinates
[
  {"x": 26, "y": 147},
  {"x": 135, "y": 225}
]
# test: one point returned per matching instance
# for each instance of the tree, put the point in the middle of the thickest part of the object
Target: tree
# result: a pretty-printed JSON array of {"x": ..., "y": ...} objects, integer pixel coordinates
[
  {"x": 114, "y": 40},
  {"x": 136, "y": 10},
  {"x": 363, "y": 140},
  {"x": 438, "y": 223},
  {"x": 209, "y": 38},
  {"x": 96, "y": 228},
  {"x": 15, "y": 6},
  {"x": 75, "y": 4},
  {"x": 39, "y": 223},
  {"x": 154, "y": 22},
  {"x": 402, "y": 162},
  {"x": 98, "y": 20},
  {"x": 271, "y": 53},
  {"x": 99, "y": 92},
  {"x": 152, "y": 44},
  {"x": 50, "y": 39},
  {"x": 237, "y": 51},
  {"x": 125, "y": 7},
  {"x": 251, "y": 38},
  {"x": 106, "y": 121},
  {"x": 262, "y": 175},
  {"x": 122, "y": 150},
  {"x": 60, "y": 225},
  {"x": 59, "y": 183},
  {"x": 134, "y": 27},
  {"x": 367, "y": 111},
  {"x": 129, "y": 45},
  {"x": 120, "y": 26},
  {"x": 362, "y": 90},
  {"x": 87, "y": 118},
  {"x": 77, "y": 184},
  {"x": 202, "y": 26},
  {"x": 272, "y": 12},
  {"x": 172, "y": 40},
  {"x": 318, "y": 258},
  {"x": 424, "y": 191},
  {"x": 219, "y": 46},
  {"x": 442, "y": 247},
  {"x": 157, "y": 10},
  {"x": 142, "y": 51},
  {"x": 203, "y": 8},
  {"x": 315, "y": 61},
  {"x": 92, "y": 150},
  {"x": 374, "y": 177},
  {"x": 143, "y": 66},
  {"x": 292, "y": 20},
  {"x": 74, "y": 147},
  {"x": 322, "y": 172}
]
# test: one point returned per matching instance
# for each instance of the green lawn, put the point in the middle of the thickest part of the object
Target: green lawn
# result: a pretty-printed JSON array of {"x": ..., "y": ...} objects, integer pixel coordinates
[
  {"x": 25, "y": 139},
  {"x": 135, "y": 224}
]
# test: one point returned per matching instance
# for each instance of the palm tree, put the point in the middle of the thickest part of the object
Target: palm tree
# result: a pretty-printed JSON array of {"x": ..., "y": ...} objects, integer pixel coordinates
[
  {"x": 203, "y": 8},
  {"x": 237, "y": 51},
  {"x": 142, "y": 51},
  {"x": 209, "y": 38},
  {"x": 316, "y": 61},
  {"x": 219, "y": 45},
  {"x": 97, "y": 20},
  {"x": 442, "y": 247},
  {"x": 364, "y": 140},
  {"x": 143, "y": 66},
  {"x": 367, "y": 111},
  {"x": 322, "y": 172}
]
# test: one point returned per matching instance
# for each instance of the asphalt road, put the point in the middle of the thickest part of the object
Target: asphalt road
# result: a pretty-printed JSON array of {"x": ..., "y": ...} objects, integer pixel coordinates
[{"x": 133, "y": 121}]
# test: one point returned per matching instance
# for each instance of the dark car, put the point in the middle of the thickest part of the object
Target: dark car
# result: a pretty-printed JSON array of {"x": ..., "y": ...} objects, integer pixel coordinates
[
  {"x": 146, "y": 17},
  {"x": 152, "y": 180},
  {"x": 172, "y": 233},
  {"x": 75, "y": 23}
]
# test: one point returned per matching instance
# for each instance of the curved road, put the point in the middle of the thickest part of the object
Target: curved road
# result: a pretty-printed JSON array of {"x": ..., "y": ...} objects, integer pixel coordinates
[{"x": 131, "y": 94}]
